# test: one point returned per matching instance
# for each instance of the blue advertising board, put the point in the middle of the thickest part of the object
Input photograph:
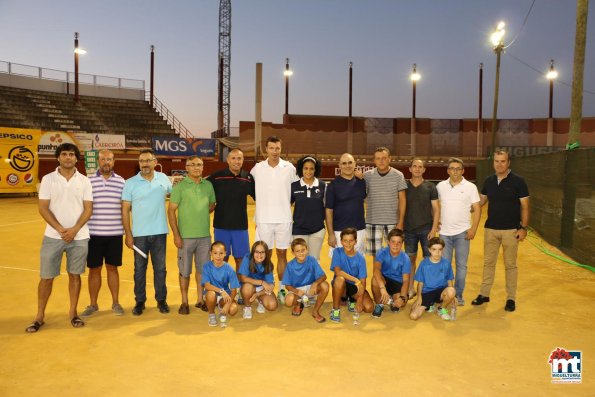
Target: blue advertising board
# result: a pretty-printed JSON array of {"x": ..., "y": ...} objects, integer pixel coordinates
[{"x": 174, "y": 146}]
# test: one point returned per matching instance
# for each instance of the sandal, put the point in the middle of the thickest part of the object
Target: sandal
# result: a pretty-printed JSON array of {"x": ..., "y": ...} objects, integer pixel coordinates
[
  {"x": 202, "y": 306},
  {"x": 76, "y": 322},
  {"x": 184, "y": 309},
  {"x": 319, "y": 319},
  {"x": 297, "y": 310},
  {"x": 34, "y": 327}
]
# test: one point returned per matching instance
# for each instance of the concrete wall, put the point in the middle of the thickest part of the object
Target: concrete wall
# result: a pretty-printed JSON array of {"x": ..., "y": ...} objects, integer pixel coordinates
[{"x": 32, "y": 83}]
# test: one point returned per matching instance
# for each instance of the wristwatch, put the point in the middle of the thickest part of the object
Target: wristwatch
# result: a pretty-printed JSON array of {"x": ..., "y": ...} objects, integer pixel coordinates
[{"x": 522, "y": 227}]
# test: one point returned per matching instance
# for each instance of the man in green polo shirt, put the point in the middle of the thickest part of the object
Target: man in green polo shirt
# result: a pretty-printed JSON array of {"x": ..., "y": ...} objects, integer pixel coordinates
[{"x": 190, "y": 203}]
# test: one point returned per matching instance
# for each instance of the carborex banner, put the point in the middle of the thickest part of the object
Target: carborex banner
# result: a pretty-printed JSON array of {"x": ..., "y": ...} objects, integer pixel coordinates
[
  {"x": 19, "y": 161},
  {"x": 174, "y": 146},
  {"x": 109, "y": 141}
]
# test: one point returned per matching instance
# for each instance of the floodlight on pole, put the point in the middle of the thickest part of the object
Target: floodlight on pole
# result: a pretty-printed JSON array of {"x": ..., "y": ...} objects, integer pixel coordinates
[
  {"x": 287, "y": 73},
  {"x": 497, "y": 39},
  {"x": 551, "y": 75}
]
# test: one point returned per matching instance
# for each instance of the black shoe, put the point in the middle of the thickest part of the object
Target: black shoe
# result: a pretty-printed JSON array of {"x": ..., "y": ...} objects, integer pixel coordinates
[
  {"x": 480, "y": 300},
  {"x": 163, "y": 307},
  {"x": 510, "y": 305},
  {"x": 138, "y": 309}
]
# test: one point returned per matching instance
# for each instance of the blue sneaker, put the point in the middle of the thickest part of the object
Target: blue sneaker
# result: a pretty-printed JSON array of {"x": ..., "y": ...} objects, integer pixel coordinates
[
  {"x": 377, "y": 313},
  {"x": 336, "y": 315}
]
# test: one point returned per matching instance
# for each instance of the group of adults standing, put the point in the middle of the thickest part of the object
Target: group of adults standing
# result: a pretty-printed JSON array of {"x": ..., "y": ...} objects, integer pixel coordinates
[{"x": 86, "y": 218}]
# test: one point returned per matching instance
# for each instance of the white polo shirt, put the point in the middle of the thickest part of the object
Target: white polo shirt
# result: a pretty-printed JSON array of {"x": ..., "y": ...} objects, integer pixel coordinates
[
  {"x": 66, "y": 201},
  {"x": 455, "y": 206},
  {"x": 273, "y": 191}
]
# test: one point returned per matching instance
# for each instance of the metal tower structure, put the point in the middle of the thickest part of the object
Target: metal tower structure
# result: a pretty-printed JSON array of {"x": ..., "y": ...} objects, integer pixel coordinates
[{"x": 224, "y": 67}]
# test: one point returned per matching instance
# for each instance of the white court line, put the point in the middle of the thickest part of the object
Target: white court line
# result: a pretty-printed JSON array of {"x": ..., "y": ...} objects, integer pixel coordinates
[
  {"x": 19, "y": 223},
  {"x": 85, "y": 275}
]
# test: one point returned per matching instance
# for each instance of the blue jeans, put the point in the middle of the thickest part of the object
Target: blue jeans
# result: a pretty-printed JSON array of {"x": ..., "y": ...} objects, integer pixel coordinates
[
  {"x": 155, "y": 247},
  {"x": 461, "y": 248},
  {"x": 415, "y": 237}
]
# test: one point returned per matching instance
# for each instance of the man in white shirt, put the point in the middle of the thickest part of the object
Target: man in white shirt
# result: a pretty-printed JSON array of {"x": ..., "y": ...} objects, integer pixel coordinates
[
  {"x": 273, "y": 178},
  {"x": 66, "y": 204},
  {"x": 457, "y": 198}
]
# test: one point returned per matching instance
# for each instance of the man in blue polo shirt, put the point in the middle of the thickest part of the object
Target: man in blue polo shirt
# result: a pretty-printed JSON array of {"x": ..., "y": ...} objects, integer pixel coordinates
[{"x": 144, "y": 197}]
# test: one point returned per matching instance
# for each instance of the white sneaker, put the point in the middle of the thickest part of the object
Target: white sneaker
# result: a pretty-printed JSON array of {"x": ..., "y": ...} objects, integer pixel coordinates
[
  {"x": 260, "y": 308},
  {"x": 247, "y": 313},
  {"x": 212, "y": 320},
  {"x": 223, "y": 320}
]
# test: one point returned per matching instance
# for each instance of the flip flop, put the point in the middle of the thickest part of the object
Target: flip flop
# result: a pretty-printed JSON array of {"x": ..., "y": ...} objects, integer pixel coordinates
[
  {"x": 297, "y": 310},
  {"x": 76, "y": 322},
  {"x": 34, "y": 327},
  {"x": 319, "y": 320}
]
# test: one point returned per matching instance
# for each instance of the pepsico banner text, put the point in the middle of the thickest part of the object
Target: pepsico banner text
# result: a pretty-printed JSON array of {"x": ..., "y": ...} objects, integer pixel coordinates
[{"x": 19, "y": 161}]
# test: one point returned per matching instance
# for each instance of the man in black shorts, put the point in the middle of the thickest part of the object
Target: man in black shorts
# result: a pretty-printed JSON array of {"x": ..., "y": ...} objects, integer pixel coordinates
[{"x": 106, "y": 231}]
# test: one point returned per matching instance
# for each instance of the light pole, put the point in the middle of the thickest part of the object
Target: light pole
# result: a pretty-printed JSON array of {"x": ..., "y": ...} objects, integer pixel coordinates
[
  {"x": 497, "y": 39},
  {"x": 77, "y": 51},
  {"x": 349, "y": 118},
  {"x": 152, "y": 74},
  {"x": 414, "y": 79},
  {"x": 479, "y": 114},
  {"x": 551, "y": 76},
  {"x": 287, "y": 73}
]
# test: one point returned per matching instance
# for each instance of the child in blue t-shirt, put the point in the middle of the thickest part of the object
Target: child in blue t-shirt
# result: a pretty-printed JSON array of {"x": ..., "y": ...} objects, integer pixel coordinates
[
  {"x": 256, "y": 276},
  {"x": 390, "y": 283},
  {"x": 304, "y": 280},
  {"x": 220, "y": 283},
  {"x": 434, "y": 278},
  {"x": 350, "y": 271}
]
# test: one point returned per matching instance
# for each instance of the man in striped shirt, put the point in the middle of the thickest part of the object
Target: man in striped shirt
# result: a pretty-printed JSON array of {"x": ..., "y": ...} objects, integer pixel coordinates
[
  {"x": 386, "y": 200},
  {"x": 105, "y": 227}
]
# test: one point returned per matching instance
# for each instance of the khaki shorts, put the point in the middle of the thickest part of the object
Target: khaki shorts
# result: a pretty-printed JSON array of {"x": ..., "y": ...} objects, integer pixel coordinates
[{"x": 51, "y": 256}]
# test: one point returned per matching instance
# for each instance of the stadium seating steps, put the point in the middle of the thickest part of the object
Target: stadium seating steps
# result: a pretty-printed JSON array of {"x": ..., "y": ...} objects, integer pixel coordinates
[{"x": 50, "y": 111}]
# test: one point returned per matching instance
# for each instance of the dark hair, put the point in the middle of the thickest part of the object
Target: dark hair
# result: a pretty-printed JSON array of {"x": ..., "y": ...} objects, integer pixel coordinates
[
  {"x": 349, "y": 230},
  {"x": 304, "y": 160},
  {"x": 298, "y": 241},
  {"x": 216, "y": 243},
  {"x": 436, "y": 240},
  {"x": 68, "y": 147},
  {"x": 382, "y": 149},
  {"x": 272, "y": 139},
  {"x": 192, "y": 157},
  {"x": 502, "y": 151},
  {"x": 147, "y": 151},
  {"x": 395, "y": 233},
  {"x": 416, "y": 159},
  {"x": 268, "y": 265}
]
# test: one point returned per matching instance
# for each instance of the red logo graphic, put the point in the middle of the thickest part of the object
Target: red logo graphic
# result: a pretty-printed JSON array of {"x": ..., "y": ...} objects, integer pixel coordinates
[
  {"x": 28, "y": 178},
  {"x": 12, "y": 179}
]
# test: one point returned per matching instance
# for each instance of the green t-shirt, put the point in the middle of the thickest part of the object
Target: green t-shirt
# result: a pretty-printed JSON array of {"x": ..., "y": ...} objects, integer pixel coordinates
[{"x": 193, "y": 201}]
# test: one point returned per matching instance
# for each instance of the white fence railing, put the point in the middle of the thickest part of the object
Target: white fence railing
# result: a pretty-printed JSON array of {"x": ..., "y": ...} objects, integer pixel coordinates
[{"x": 18, "y": 69}]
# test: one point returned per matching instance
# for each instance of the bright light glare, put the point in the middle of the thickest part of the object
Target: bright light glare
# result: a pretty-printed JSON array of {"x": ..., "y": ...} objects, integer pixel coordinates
[
  {"x": 552, "y": 74},
  {"x": 80, "y": 51},
  {"x": 288, "y": 73},
  {"x": 498, "y": 36},
  {"x": 415, "y": 76}
]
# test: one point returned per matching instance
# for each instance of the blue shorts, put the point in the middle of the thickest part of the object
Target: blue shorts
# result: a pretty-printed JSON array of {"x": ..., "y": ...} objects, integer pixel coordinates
[
  {"x": 236, "y": 241},
  {"x": 415, "y": 237}
]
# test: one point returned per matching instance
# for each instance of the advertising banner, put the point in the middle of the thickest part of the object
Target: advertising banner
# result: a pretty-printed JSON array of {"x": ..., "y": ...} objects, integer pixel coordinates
[
  {"x": 109, "y": 141},
  {"x": 138, "y": 142},
  {"x": 19, "y": 161},
  {"x": 50, "y": 140},
  {"x": 174, "y": 146}
]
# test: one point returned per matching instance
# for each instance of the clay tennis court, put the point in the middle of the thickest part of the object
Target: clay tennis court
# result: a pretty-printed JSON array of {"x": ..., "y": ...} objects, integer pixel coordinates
[{"x": 485, "y": 352}]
